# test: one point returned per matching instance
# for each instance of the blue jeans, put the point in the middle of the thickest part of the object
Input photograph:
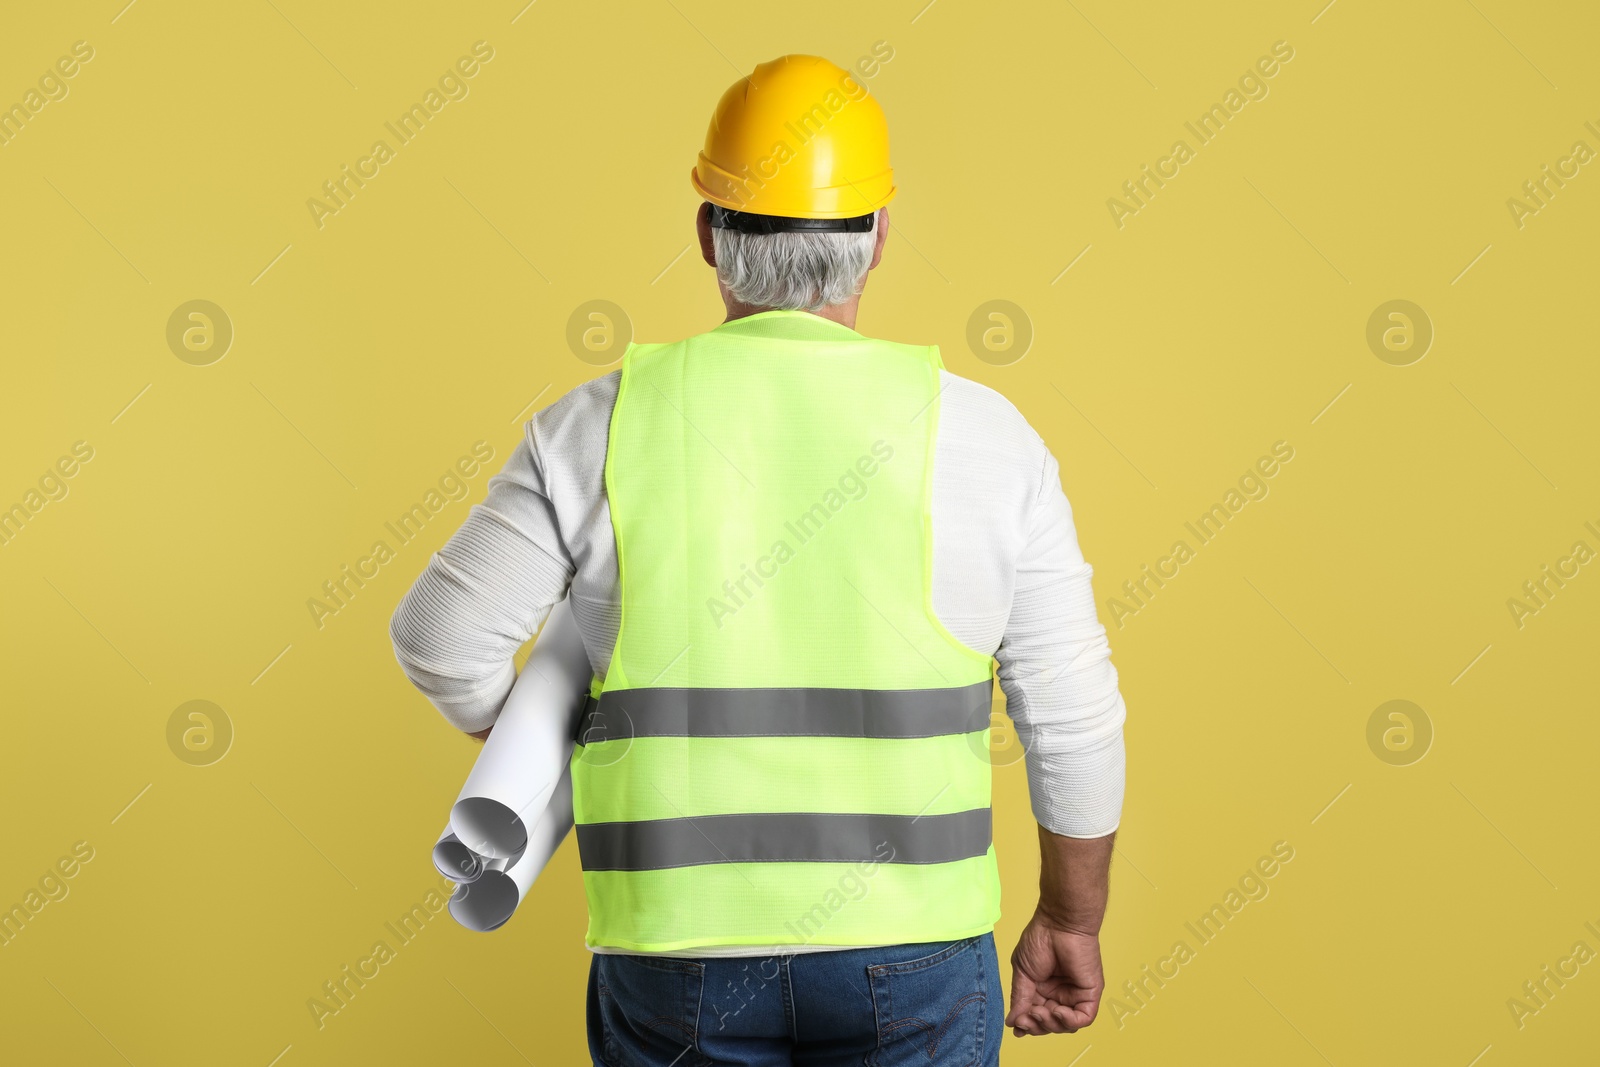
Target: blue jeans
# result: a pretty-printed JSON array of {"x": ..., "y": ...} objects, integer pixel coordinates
[{"x": 933, "y": 1005}]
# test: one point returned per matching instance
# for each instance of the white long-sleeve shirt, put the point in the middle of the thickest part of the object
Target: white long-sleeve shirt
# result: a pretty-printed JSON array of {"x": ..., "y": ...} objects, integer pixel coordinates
[{"x": 1008, "y": 579}]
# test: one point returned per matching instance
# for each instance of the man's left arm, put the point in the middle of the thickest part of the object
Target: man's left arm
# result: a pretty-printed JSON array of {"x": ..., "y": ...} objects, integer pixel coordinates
[{"x": 482, "y": 595}]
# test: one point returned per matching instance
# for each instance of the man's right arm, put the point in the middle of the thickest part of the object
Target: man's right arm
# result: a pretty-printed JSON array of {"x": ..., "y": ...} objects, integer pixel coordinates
[
  {"x": 1061, "y": 692},
  {"x": 1056, "y": 976}
]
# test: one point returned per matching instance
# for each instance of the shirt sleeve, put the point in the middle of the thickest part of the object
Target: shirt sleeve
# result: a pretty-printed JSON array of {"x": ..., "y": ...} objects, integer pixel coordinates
[
  {"x": 483, "y": 595},
  {"x": 1055, "y": 669}
]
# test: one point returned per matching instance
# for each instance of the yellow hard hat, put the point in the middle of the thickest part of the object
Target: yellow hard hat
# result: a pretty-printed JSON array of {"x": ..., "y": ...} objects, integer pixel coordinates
[{"x": 799, "y": 139}]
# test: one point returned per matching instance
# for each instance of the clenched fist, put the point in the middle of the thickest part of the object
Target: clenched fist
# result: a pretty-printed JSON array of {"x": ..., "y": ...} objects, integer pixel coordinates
[{"x": 1056, "y": 979}]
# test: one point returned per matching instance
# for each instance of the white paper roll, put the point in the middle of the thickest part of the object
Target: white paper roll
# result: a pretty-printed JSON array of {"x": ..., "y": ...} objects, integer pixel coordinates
[
  {"x": 526, "y": 754},
  {"x": 488, "y": 902},
  {"x": 454, "y": 860},
  {"x": 460, "y": 864}
]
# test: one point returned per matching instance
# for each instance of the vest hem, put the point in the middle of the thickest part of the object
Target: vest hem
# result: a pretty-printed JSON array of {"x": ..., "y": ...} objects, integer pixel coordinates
[{"x": 916, "y": 937}]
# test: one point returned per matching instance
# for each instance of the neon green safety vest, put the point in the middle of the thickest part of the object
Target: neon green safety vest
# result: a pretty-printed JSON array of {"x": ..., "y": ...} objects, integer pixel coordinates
[{"x": 788, "y": 746}]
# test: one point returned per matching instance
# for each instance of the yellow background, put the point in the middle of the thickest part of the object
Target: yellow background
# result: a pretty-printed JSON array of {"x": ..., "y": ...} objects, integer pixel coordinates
[{"x": 431, "y": 313}]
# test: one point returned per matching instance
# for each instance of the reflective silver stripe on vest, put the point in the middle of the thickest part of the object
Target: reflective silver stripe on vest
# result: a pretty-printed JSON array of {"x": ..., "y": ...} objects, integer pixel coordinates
[
  {"x": 625, "y": 713},
  {"x": 783, "y": 837}
]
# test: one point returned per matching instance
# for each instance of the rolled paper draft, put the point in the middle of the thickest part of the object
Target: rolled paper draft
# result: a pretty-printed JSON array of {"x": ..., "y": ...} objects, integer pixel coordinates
[
  {"x": 487, "y": 903},
  {"x": 526, "y": 754},
  {"x": 454, "y": 860}
]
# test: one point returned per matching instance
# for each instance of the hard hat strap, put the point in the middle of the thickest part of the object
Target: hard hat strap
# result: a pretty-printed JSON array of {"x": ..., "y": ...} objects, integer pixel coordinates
[{"x": 747, "y": 222}]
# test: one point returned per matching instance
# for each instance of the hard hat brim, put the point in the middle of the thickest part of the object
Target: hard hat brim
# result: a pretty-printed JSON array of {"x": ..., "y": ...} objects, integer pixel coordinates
[{"x": 869, "y": 193}]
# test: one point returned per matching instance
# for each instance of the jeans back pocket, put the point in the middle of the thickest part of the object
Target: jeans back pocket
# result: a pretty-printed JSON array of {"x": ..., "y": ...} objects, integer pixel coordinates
[
  {"x": 649, "y": 1010},
  {"x": 933, "y": 1010}
]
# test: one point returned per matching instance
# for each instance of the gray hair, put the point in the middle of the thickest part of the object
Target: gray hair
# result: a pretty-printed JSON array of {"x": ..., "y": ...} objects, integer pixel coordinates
[{"x": 795, "y": 271}]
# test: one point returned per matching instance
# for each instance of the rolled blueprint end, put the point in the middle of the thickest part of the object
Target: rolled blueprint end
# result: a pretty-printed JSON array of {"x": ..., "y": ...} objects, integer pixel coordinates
[
  {"x": 487, "y": 903},
  {"x": 456, "y": 861},
  {"x": 489, "y": 827},
  {"x": 522, "y": 759}
]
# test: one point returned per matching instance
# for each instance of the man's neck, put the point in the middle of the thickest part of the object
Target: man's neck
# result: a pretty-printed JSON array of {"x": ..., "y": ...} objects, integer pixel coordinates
[{"x": 844, "y": 314}]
